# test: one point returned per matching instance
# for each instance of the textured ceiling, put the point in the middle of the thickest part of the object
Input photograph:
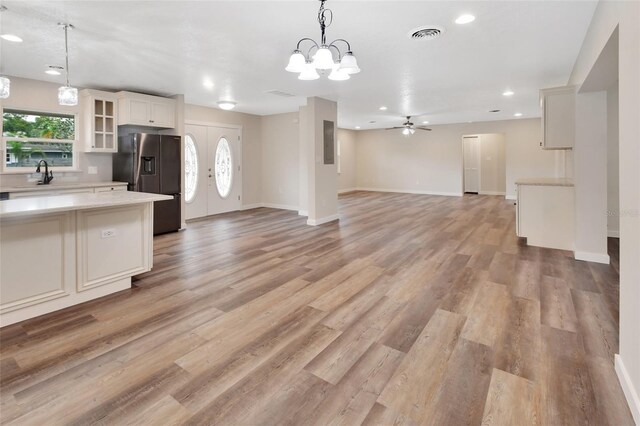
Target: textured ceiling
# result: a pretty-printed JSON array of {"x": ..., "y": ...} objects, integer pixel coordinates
[{"x": 242, "y": 47}]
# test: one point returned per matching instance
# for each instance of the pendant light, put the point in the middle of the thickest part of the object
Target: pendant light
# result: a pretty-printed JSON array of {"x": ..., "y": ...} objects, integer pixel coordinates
[{"x": 67, "y": 95}]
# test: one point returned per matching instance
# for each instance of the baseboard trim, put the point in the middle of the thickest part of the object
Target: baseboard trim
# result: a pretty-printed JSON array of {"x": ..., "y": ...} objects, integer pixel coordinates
[
  {"x": 612, "y": 233},
  {"x": 321, "y": 221},
  {"x": 411, "y": 191},
  {"x": 251, "y": 206},
  {"x": 510, "y": 197},
  {"x": 347, "y": 190},
  {"x": 629, "y": 391},
  {"x": 303, "y": 213},
  {"x": 591, "y": 257},
  {"x": 492, "y": 193},
  {"x": 279, "y": 206}
]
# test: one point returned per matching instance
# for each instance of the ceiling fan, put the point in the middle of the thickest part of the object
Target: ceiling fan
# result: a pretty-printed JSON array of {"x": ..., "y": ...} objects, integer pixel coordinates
[{"x": 408, "y": 128}]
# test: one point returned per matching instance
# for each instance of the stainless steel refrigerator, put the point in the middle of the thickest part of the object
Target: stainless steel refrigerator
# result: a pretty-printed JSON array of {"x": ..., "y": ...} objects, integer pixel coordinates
[{"x": 151, "y": 163}]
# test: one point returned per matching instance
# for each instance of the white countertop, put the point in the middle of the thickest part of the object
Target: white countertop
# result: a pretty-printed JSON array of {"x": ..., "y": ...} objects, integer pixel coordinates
[
  {"x": 60, "y": 203},
  {"x": 58, "y": 185},
  {"x": 545, "y": 182}
]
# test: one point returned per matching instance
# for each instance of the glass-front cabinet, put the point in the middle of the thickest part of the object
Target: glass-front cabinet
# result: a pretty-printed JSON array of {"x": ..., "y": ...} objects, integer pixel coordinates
[{"x": 100, "y": 121}]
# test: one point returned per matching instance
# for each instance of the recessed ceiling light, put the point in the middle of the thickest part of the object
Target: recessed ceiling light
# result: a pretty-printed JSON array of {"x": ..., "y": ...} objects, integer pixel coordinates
[
  {"x": 508, "y": 93},
  {"x": 11, "y": 37},
  {"x": 357, "y": 127},
  {"x": 53, "y": 72},
  {"x": 425, "y": 122},
  {"x": 226, "y": 105},
  {"x": 383, "y": 108},
  {"x": 517, "y": 114},
  {"x": 208, "y": 83},
  {"x": 465, "y": 19}
]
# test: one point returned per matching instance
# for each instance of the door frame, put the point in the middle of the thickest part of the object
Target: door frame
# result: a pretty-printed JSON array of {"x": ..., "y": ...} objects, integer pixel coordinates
[
  {"x": 479, "y": 136},
  {"x": 237, "y": 127}
]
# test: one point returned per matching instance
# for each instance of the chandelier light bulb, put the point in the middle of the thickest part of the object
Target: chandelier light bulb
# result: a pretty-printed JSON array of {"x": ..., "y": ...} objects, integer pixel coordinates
[
  {"x": 297, "y": 62},
  {"x": 67, "y": 96},
  {"x": 338, "y": 75},
  {"x": 323, "y": 59},
  {"x": 309, "y": 73},
  {"x": 5, "y": 87},
  {"x": 349, "y": 64}
]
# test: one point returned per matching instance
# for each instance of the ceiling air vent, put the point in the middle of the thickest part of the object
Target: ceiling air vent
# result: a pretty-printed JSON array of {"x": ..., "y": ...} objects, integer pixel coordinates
[
  {"x": 426, "y": 33},
  {"x": 281, "y": 93}
]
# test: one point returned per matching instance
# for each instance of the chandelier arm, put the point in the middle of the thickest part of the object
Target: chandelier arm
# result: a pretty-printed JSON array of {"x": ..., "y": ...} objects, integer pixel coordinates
[
  {"x": 337, "y": 50},
  {"x": 304, "y": 39},
  {"x": 344, "y": 41}
]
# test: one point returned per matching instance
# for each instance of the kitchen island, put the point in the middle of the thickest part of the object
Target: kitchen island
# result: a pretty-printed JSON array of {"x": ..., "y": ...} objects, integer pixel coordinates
[
  {"x": 58, "y": 251},
  {"x": 545, "y": 212}
]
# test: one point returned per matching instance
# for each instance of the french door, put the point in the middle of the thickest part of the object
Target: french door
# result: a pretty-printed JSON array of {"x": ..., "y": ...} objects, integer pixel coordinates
[{"x": 213, "y": 163}]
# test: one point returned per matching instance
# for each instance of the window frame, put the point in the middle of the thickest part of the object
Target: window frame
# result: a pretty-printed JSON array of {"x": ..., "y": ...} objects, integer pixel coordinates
[{"x": 75, "y": 167}]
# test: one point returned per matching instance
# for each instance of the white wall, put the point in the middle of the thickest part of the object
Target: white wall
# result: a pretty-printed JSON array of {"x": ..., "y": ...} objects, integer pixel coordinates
[
  {"x": 626, "y": 17},
  {"x": 431, "y": 162},
  {"x": 322, "y": 179},
  {"x": 35, "y": 95},
  {"x": 590, "y": 176},
  {"x": 347, "y": 175},
  {"x": 251, "y": 145},
  {"x": 613, "y": 160},
  {"x": 280, "y": 160}
]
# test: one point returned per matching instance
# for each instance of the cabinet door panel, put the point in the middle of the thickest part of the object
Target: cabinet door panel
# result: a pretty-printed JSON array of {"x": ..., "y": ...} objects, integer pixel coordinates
[
  {"x": 162, "y": 114},
  {"x": 139, "y": 111}
]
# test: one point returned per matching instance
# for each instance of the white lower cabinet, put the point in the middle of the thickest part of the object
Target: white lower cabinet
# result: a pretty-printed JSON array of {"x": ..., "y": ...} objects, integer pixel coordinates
[{"x": 545, "y": 216}]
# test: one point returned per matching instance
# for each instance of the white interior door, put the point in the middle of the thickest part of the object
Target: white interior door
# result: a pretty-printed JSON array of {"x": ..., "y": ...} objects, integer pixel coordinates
[
  {"x": 211, "y": 187},
  {"x": 224, "y": 165},
  {"x": 471, "y": 159}
]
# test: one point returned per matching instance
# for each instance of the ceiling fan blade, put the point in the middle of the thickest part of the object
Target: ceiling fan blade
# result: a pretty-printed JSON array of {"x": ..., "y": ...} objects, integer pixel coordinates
[
  {"x": 423, "y": 128},
  {"x": 393, "y": 128}
]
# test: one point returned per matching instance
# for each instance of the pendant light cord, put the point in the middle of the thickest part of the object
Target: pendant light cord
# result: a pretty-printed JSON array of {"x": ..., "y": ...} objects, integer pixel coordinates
[{"x": 66, "y": 50}]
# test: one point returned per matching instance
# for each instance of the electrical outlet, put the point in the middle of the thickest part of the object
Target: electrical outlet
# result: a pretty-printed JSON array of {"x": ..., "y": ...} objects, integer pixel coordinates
[
  {"x": 92, "y": 170},
  {"x": 108, "y": 233}
]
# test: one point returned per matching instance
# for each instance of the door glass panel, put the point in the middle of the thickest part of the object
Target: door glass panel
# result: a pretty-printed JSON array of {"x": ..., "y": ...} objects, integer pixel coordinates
[
  {"x": 190, "y": 169},
  {"x": 223, "y": 167}
]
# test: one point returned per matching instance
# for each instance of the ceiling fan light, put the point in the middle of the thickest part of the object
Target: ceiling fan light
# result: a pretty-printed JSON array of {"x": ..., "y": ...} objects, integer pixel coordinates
[
  {"x": 406, "y": 131},
  {"x": 297, "y": 62},
  {"x": 309, "y": 73},
  {"x": 349, "y": 63},
  {"x": 5, "y": 87},
  {"x": 67, "y": 96},
  {"x": 323, "y": 59},
  {"x": 338, "y": 75}
]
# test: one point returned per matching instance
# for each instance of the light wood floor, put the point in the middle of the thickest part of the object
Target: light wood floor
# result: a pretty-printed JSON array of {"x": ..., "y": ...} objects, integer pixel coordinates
[{"x": 412, "y": 310}]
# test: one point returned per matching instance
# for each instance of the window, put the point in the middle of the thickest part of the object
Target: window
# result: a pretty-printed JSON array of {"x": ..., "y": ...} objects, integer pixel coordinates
[
  {"x": 223, "y": 168},
  {"x": 190, "y": 169},
  {"x": 29, "y": 137}
]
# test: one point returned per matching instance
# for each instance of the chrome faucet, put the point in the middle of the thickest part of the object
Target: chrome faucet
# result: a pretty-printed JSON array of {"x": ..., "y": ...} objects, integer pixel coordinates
[{"x": 47, "y": 176}]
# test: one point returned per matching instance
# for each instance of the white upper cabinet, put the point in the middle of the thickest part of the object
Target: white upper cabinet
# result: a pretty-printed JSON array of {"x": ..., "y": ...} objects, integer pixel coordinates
[
  {"x": 146, "y": 110},
  {"x": 100, "y": 124},
  {"x": 558, "y": 117}
]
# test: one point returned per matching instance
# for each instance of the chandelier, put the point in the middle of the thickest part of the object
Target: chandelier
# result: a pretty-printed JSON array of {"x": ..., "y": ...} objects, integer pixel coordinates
[{"x": 323, "y": 60}]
